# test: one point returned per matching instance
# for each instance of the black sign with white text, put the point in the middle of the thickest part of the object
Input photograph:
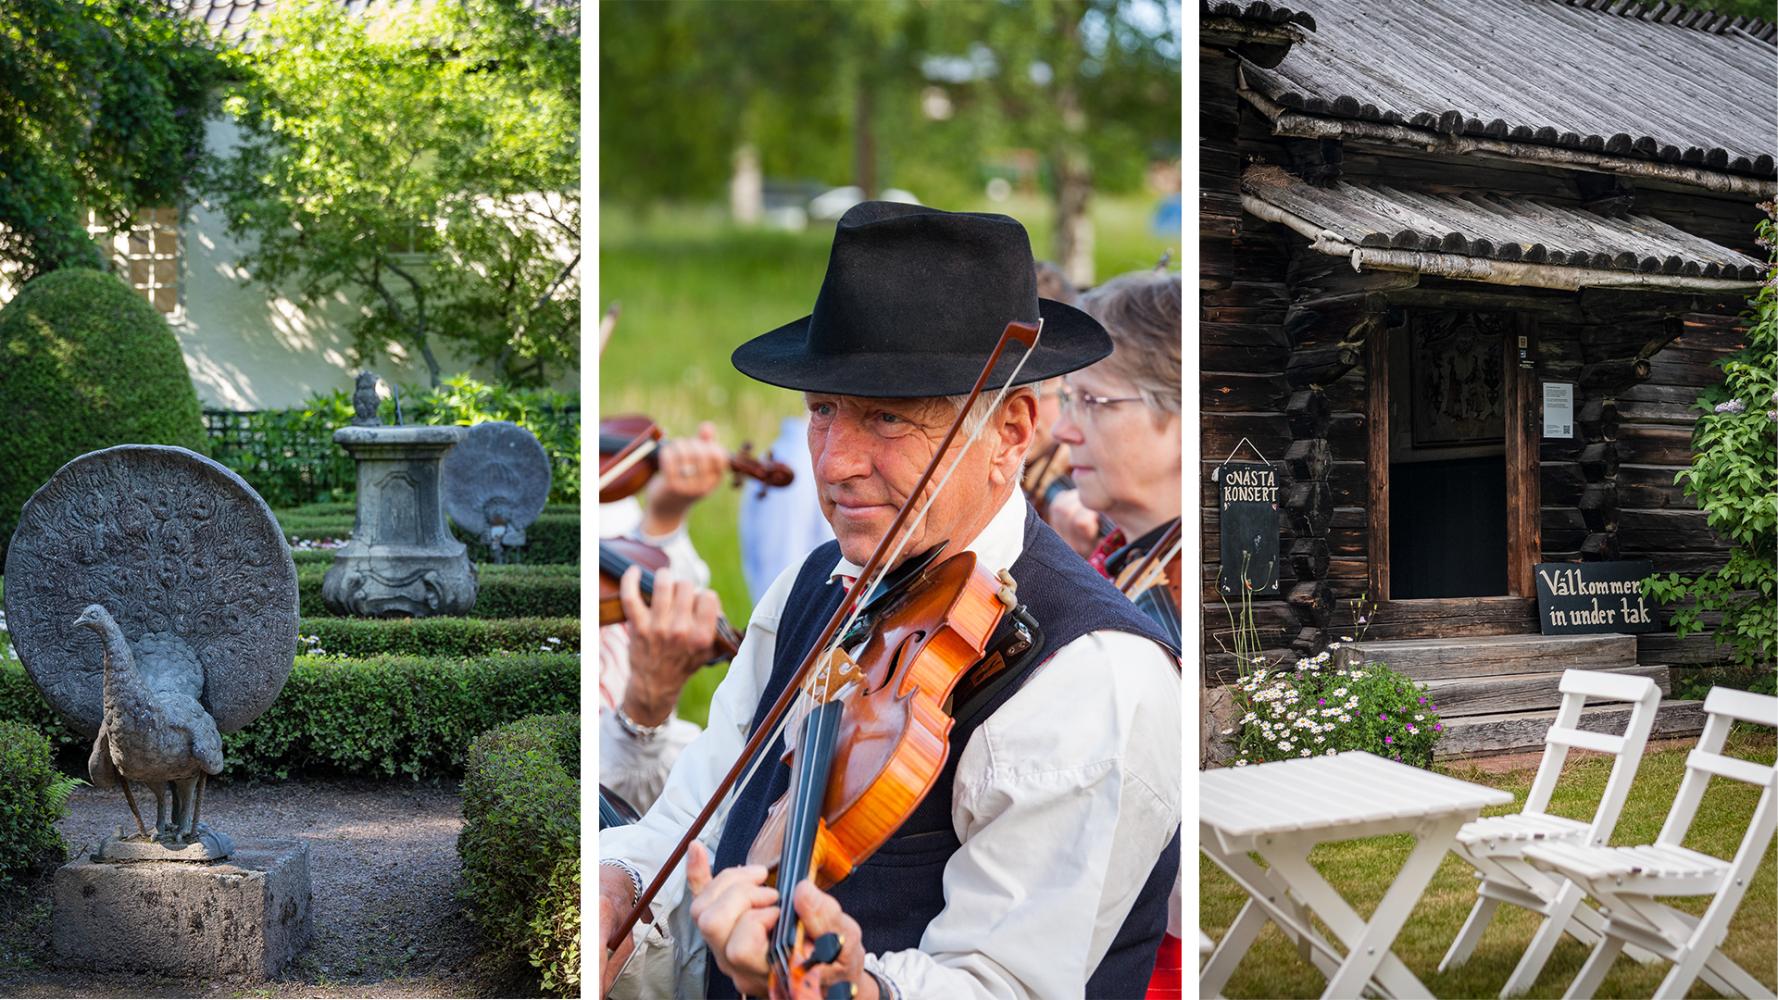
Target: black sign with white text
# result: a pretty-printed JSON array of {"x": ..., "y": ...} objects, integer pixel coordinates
[
  {"x": 1592, "y": 597},
  {"x": 1247, "y": 506}
]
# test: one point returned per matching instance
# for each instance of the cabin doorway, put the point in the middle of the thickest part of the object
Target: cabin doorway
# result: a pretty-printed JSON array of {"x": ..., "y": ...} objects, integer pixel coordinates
[{"x": 1454, "y": 462}]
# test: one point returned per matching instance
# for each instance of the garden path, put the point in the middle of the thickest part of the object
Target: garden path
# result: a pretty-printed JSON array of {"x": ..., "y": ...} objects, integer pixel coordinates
[{"x": 383, "y": 865}]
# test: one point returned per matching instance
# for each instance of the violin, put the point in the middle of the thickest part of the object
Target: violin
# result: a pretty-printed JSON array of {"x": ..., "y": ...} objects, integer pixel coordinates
[
  {"x": 616, "y": 555},
  {"x": 1155, "y": 583},
  {"x": 629, "y": 456},
  {"x": 914, "y": 643},
  {"x": 874, "y": 739}
]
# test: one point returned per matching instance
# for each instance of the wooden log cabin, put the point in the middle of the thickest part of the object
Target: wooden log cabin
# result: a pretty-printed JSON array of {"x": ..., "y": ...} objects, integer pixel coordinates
[{"x": 1414, "y": 217}]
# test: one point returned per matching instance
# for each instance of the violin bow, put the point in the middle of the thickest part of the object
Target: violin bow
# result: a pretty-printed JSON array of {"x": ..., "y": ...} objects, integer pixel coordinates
[
  {"x": 638, "y": 449},
  {"x": 874, "y": 569}
]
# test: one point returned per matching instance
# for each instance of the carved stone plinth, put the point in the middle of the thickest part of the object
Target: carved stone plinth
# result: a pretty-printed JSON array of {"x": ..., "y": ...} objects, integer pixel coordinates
[
  {"x": 243, "y": 918},
  {"x": 402, "y": 560}
]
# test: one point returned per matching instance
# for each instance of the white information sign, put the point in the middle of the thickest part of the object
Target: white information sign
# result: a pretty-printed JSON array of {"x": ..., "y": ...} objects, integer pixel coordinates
[{"x": 1558, "y": 409}]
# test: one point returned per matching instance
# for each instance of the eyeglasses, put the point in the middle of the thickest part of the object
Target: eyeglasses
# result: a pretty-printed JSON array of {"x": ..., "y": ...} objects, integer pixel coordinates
[{"x": 1080, "y": 402}]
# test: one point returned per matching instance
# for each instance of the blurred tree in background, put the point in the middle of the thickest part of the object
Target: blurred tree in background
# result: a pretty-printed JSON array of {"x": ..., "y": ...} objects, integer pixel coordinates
[
  {"x": 927, "y": 96},
  {"x": 430, "y": 159},
  {"x": 102, "y": 108}
]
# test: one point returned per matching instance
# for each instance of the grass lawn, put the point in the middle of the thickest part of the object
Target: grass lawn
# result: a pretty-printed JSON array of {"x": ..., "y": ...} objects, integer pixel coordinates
[
  {"x": 1363, "y": 869},
  {"x": 694, "y": 287}
]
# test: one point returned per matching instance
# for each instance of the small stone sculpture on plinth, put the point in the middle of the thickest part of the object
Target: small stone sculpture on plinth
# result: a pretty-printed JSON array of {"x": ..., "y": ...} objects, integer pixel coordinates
[
  {"x": 153, "y": 601},
  {"x": 401, "y": 560},
  {"x": 496, "y": 483}
]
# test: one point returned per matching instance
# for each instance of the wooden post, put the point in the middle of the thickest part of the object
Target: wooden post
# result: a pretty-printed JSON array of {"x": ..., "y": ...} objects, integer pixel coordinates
[
  {"x": 1524, "y": 522},
  {"x": 1377, "y": 425}
]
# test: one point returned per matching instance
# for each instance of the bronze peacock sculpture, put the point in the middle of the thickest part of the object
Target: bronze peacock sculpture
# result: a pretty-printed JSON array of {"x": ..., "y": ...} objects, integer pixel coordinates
[{"x": 154, "y": 729}]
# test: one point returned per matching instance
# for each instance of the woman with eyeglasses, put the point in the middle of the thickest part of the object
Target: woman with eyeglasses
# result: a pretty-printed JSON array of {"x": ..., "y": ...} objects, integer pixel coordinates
[{"x": 1120, "y": 421}]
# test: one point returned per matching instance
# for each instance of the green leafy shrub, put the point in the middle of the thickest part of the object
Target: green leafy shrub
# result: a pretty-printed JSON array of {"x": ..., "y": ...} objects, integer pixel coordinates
[
  {"x": 382, "y": 717},
  {"x": 1733, "y": 478},
  {"x": 359, "y": 638},
  {"x": 1324, "y": 706},
  {"x": 290, "y": 458},
  {"x": 520, "y": 844},
  {"x": 87, "y": 364},
  {"x": 33, "y": 795},
  {"x": 522, "y": 591}
]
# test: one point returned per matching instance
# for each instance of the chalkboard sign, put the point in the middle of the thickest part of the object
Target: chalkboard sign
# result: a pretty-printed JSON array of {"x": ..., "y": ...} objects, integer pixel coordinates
[
  {"x": 1247, "y": 504},
  {"x": 1590, "y": 597}
]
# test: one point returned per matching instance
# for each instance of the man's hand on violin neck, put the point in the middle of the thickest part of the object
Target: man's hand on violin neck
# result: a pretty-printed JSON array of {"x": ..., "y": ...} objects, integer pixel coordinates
[
  {"x": 670, "y": 639},
  {"x": 736, "y": 912},
  {"x": 690, "y": 469}
]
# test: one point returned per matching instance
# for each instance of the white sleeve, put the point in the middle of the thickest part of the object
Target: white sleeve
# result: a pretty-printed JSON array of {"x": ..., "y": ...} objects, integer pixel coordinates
[
  {"x": 637, "y": 769},
  {"x": 1060, "y": 826}
]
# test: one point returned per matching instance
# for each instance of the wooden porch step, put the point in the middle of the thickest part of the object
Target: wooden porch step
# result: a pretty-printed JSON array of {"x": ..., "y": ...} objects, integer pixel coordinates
[
  {"x": 1511, "y": 732},
  {"x": 1449, "y": 617},
  {"x": 1460, "y": 696},
  {"x": 1437, "y": 659}
]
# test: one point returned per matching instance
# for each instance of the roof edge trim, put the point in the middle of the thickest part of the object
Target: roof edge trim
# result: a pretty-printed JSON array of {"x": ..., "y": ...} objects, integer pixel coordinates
[
  {"x": 1298, "y": 124},
  {"x": 1560, "y": 277}
]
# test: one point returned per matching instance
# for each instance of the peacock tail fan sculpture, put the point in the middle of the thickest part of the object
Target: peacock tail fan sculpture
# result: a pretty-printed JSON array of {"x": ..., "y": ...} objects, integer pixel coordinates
[{"x": 152, "y": 598}]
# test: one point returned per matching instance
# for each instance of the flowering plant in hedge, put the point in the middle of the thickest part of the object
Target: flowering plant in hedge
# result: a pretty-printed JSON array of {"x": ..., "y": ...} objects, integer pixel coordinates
[{"x": 1322, "y": 706}]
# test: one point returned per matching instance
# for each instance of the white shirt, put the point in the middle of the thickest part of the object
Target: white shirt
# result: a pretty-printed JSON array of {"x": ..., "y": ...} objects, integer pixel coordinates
[
  {"x": 1063, "y": 801},
  {"x": 634, "y": 769}
]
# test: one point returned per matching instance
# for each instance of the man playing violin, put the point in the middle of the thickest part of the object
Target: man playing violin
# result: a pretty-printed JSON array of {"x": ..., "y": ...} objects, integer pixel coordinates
[{"x": 1040, "y": 863}]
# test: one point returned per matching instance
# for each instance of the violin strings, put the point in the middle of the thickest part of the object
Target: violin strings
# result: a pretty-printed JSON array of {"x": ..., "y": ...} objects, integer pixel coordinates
[{"x": 884, "y": 569}]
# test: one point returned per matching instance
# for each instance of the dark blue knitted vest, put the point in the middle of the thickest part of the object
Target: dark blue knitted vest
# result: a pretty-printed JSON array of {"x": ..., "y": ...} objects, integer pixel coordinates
[{"x": 900, "y": 889}]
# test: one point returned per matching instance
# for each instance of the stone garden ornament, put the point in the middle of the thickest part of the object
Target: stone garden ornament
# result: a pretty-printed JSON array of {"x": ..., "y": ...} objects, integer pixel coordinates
[
  {"x": 401, "y": 561},
  {"x": 496, "y": 483},
  {"x": 153, "y": 600}
]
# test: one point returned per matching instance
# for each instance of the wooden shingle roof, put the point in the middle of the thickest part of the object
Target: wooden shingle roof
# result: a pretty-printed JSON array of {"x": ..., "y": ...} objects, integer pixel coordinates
[
  {"x": 1493, "y": 237},
  {"x": 1655, "y": 81}
]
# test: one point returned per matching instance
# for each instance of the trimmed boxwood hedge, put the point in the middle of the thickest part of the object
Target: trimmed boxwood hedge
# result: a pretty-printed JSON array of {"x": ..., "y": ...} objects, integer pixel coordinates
[
  {"x": 381, "y": 717},
  {"x": 523, "y": 591},
  {"x": 87, "y": 364},
  {"x": 554, "y": 538},
  {"x": 33, "y": 795},
  {"x": 357, "y": 638},
  {"x": 520, "y": 845}
]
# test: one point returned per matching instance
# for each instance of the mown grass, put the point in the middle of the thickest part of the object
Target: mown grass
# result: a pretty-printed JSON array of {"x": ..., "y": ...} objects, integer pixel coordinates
[
  {"x": 693, "y": 287},
  {"x": 1363, "y": 869}
]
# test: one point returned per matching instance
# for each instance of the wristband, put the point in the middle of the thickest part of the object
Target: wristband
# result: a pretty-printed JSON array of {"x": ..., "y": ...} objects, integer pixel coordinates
[
  {"x": 635, "y": 877},
  {"x": 639, "y": 732}
]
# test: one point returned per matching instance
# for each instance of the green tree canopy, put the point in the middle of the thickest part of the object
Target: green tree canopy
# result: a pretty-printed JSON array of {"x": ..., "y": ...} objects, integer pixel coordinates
[
  {"x": 102, "y": 107},
  {"x": 842, "y": 91},
  {"x": 424, "y": 163}
]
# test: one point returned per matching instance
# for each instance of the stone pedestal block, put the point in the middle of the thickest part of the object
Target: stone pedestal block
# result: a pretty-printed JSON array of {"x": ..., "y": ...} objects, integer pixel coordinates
[
  {"x": 243, "y": 918},
  {"x": 402, "y": 559}
]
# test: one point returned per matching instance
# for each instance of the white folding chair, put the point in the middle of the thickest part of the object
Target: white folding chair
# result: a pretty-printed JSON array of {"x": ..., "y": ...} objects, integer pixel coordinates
[
  {"x": 1627, "y": 880},
  {"x": 1495, "y": 845}
]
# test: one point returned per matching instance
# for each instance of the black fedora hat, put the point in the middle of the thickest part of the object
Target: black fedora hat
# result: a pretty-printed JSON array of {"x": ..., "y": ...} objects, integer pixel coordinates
[{"x": 912, "y": 304}]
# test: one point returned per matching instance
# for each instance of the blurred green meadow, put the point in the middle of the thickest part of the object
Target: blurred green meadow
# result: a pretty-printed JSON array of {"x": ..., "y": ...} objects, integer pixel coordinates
[{"x": 693, "y": 286}]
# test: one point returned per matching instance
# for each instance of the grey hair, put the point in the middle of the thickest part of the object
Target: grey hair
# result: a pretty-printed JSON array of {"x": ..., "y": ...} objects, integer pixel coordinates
[{"x": 984, "y": 407}]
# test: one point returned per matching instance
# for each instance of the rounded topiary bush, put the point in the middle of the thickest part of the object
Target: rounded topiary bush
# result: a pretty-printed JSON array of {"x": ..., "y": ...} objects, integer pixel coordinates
[
  {"x": 88, "y": 364},
  {"x": 33, "y": 795},
  {"x": 520, "y": 844}
]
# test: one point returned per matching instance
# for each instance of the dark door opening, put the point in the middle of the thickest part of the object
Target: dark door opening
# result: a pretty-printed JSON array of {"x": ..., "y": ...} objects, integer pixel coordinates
[{"x": 1448, "y": 406}]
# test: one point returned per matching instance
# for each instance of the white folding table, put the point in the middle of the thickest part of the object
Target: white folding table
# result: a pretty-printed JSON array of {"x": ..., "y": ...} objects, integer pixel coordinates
[{"x": 1281, "y": 811}]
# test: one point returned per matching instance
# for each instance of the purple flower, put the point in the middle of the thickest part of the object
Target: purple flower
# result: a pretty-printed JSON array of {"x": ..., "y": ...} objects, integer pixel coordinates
[
  {"x": 1321, "y": 701},
  {"x": 1388, "y": 740},
  {"x": 1438, "y": 727},
  {"x": 1382, "y": 716},
  {"x": 1422, "y": 701},
  {"x": 1732, "y": 406}
]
